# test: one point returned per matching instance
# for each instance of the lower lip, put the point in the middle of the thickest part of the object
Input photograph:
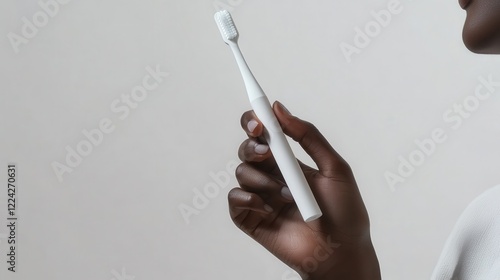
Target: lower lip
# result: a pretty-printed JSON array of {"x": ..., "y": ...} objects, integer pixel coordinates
[{"x": 464, "y": 3}]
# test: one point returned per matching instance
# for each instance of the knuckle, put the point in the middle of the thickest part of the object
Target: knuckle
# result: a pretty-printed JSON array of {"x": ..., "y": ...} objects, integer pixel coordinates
[
  {"x": 308, "y": 132},
  {"x": 233, "y": 193},
  {"x": 240, "y": 170},
  {"x": 342, "y": 169},
  {"x": 310, "y": 127},
  {"x": 343, "y": 165},
  {"x": 245, "y": 150},
  {"x": 306, "y": 140},
  {"x": 241, "y": 150}
]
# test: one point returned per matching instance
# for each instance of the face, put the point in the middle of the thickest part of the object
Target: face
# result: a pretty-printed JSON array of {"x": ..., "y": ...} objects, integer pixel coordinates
[{"x": 482, "y": 27}]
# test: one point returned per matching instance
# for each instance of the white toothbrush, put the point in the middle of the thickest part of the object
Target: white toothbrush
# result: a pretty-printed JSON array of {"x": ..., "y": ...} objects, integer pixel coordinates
[{"x": 276, "y": 139}]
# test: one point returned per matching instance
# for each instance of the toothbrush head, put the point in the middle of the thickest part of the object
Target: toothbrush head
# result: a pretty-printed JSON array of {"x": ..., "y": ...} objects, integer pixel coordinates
[{"x": 226, "y": 26}]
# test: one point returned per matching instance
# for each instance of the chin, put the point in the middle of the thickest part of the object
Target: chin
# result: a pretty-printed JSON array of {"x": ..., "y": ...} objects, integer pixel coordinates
[
  {"x": 481, "y": 32},
  {"x": 476, "y": 43}
]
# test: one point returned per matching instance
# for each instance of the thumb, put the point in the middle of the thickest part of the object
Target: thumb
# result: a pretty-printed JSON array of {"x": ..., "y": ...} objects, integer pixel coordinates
[{"x": 329, "y": 162}]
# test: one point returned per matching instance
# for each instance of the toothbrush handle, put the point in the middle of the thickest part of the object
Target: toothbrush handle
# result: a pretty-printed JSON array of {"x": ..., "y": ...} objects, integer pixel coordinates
[{"x": 287, "y": 163}]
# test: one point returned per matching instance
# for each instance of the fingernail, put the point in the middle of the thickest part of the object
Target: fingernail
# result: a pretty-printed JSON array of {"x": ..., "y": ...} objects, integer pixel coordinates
[
  {"x": 261, "y": 149},
  {"x": 252, "y": 125},
  {"x": 285, "y": 192},
  {"x": 268, "y": 208},
  {"x": 284, "y": 108}
]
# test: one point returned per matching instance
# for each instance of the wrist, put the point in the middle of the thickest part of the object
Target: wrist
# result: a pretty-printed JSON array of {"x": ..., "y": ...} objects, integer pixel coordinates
[{"x": 358, "y": 263}]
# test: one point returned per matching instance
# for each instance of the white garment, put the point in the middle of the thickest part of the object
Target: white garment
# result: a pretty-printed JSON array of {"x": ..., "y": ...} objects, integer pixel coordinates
[{"x": 472, "y": 251}]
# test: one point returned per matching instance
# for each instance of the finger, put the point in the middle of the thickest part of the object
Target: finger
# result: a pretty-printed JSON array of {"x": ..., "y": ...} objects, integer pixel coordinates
[
  {"x": 329, "y": 162},
  {"x": 247, "y": 209},
  {"x": 252, "y": 151},
  {"x": 254, "y": 180},
  {"x": 252, "y": 125},
  {"x": 259, "y": 155}
]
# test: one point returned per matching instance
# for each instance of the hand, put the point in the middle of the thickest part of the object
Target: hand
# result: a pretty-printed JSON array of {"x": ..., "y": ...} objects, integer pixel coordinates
[{"x": 335, "y": 246}]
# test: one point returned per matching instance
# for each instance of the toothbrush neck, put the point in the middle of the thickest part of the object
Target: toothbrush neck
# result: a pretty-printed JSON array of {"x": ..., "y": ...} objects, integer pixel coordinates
[{"x": 253, "y": 88}]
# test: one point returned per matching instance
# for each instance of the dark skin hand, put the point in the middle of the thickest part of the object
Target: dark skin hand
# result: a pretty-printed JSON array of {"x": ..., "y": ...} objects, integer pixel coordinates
[{"x": 335, "y": 246}]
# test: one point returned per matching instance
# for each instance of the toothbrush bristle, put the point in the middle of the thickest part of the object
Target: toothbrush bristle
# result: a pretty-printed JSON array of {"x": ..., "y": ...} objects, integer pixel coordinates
[{"x": 226, "y": 25}]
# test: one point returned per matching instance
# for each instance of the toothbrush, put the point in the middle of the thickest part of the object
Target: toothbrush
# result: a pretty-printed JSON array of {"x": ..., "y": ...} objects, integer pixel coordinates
[{"x": 276, "y": 139}]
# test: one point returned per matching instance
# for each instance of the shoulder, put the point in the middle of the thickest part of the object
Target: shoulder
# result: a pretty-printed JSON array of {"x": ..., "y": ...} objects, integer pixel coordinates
[
  {"x": 487, "y": 202},
  {"x": 471, "y": 249},
  {"x": 481, "y": 215}
]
